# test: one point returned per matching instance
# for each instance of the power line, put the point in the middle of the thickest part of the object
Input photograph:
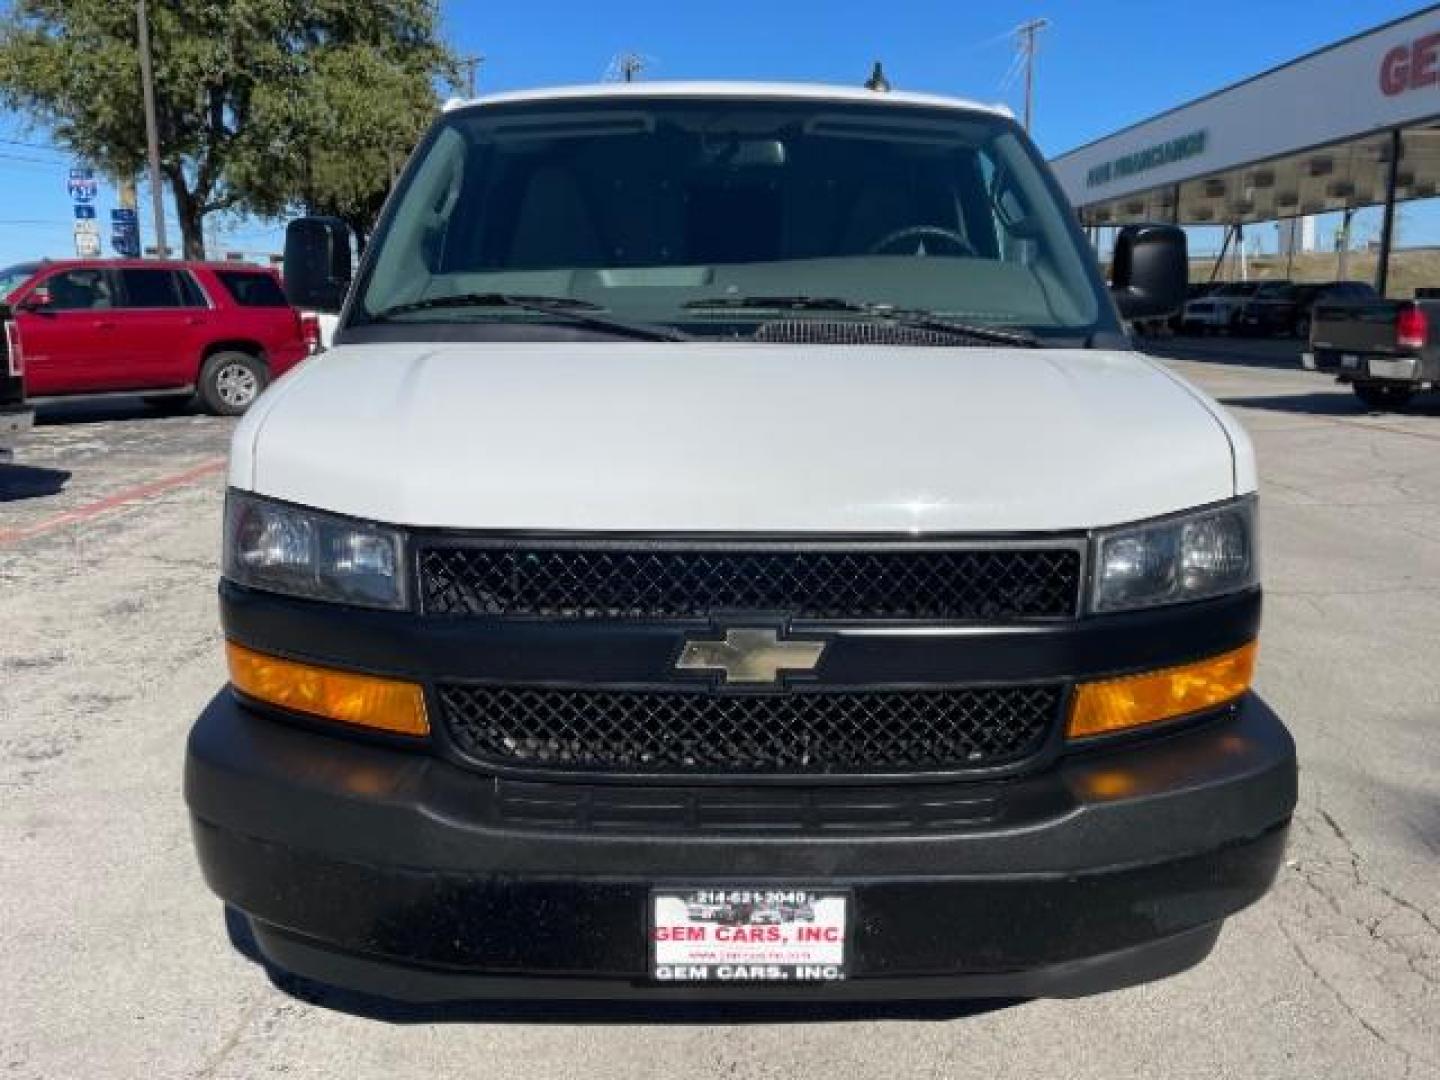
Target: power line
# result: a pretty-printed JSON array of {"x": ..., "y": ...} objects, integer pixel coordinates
[
  {"x": 46, "y": 147},
  {"x": 17, "y": 156},
  {"x": 30, "y": 164},
  {"x": 1008, "y": 79}
]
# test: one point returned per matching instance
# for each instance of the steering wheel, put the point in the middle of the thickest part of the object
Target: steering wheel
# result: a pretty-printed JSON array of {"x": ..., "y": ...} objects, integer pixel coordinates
[{"x": 922, "y": 233}]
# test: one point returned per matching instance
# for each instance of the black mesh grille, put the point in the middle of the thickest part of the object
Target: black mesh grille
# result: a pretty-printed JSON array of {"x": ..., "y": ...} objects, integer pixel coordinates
[
  {"x": 799, "y": 732},
  {"x": 841, "y": 332},
  {"x": 830, "y": 583}
]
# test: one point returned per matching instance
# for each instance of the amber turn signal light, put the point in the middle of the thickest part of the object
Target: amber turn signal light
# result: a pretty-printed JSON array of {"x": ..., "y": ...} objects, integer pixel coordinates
[
  {"x": 1111, "y": 705},
  {"x": 363, "y": 700}
]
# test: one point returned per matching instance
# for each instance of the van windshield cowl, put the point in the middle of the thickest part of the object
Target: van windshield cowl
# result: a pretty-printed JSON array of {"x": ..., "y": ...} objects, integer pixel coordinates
[{"x": 663, "y": 217}]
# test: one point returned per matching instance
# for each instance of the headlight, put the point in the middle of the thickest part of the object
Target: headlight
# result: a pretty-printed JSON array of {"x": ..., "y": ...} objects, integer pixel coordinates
[
  {"x": 289, "y": 549},
  {"x": 1188, "y": 557}
]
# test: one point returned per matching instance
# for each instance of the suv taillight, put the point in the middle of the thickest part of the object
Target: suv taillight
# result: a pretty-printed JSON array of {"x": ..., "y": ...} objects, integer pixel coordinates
[
  {"x": 1411, "y": 328},
  {"x": 310, "y": 331},
  {"x": 14, "y": 354}
]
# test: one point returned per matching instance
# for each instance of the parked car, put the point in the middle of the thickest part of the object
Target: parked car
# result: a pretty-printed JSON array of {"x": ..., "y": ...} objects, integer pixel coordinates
[
  {"x": 1196, "y": 290},
  {"x": 16, "y": 414},
  {"x": 1219, "y": 311},
  {"x": 619, "y": 546},
  {"x": 218, "y": 331},
  {"x": 1287, "y": 310},
  {"x": 1385, "y": 350}
]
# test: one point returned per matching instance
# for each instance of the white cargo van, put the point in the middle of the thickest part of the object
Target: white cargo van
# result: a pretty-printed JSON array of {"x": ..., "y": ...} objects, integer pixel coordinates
[{"x": 723, "y": 500}]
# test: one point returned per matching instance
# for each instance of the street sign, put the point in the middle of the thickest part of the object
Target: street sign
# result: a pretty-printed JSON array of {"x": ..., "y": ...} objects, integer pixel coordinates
[
  {"x": 84, "y": 212},
  {"x": 82, "y": 185},
  {"x": 125, "y": 233},
  {"x": 87, "y": 244},
  {"x": 89, "y": 227}
]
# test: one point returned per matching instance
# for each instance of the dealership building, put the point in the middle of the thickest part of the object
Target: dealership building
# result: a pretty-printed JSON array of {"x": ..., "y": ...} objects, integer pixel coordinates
[{"x": 1352, "y": 125}]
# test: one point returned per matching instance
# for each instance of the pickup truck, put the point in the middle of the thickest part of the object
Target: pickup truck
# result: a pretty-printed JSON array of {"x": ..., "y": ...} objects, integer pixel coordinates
[
  {"x": 744, "y": 498},
  {"x": 219, "y": 332},
  {"x": 1288, "y": 309},
  {"x": 1385, "y": 350},
  {"x": 16, "y": 414}
]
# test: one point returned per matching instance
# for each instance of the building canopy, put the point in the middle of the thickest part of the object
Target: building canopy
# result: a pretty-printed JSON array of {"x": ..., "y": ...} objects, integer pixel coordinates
[{"x": 1311, "y": 136}]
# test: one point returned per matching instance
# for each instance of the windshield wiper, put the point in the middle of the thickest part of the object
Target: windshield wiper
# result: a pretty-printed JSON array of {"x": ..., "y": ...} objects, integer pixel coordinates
[
  {"x": 917, "y": 318},
  {"x": 580, "y": 312}
]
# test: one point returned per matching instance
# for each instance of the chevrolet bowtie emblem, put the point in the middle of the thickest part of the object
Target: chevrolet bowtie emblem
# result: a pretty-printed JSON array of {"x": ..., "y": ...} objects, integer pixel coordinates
[{"x": 750, "y": 655}]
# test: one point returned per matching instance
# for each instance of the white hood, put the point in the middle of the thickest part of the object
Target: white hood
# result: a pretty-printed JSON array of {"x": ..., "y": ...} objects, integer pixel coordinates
[{"x": 737, "y": 438}]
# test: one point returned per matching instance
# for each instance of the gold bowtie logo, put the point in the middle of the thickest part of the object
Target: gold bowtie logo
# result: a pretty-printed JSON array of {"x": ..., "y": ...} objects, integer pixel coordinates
[{"x": 751, "y": 655}]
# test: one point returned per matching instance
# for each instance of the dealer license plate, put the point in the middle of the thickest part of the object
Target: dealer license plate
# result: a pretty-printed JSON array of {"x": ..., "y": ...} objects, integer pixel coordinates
[{"x": 737, "y": 934}]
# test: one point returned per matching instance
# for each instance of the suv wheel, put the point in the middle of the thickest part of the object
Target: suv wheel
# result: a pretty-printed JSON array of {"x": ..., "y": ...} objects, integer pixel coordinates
[
  {"x": 1383, "y": 396},
  {"x": 230, "y": 382}
]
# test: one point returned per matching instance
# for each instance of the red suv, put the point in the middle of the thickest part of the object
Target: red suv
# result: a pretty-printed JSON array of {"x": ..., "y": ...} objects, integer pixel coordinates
[{"x": 221, "y": 331}]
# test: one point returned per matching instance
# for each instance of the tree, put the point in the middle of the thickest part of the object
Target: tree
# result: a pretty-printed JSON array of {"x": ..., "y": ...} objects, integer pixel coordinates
[
  {"x": 359, "y": 103},
  {"x": 261, "y": 104}
]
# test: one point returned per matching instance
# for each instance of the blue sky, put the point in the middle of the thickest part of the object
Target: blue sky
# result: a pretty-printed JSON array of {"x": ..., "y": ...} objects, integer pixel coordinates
[{"x": 1102, "y": 64}]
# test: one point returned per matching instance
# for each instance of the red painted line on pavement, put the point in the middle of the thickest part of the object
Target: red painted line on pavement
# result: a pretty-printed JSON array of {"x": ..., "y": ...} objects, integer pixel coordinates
[{"x": 113, "y": 502}]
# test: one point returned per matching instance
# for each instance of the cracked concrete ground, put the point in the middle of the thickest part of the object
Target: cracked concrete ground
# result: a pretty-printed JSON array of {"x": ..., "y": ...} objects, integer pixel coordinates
[{"x": 117, "y": 960}]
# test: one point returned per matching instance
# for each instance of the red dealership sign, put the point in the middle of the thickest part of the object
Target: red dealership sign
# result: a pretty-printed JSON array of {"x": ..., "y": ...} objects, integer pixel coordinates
[{"x": 1411, "y": 67}]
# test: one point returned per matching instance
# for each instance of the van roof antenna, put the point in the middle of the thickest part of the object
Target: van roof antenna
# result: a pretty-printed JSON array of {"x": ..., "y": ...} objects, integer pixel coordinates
[{"x": 627, "y": 67}]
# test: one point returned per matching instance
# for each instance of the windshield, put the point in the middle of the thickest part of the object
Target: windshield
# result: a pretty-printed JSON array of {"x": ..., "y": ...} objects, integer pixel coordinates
[
  {"x": 12, "y": 277},
  {"x": 695, "y": 212}
]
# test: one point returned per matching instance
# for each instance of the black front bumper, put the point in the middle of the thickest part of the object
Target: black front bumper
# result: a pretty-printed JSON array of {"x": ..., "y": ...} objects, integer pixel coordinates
[{"x": 401, "y": 874}]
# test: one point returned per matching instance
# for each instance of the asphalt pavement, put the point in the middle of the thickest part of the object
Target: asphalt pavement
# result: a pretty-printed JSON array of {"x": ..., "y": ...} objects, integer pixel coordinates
[{"x": 118, "y": 962}]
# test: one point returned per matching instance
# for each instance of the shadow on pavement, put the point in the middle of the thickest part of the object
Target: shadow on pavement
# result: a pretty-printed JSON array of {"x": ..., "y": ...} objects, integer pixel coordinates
[
  {"x": 99, "y": 410},
  {"x": 367, "y": 1007},
  {"x": 1274, "y": 353},
  {"x": 30, "y": 482},
  {"x": 1331, "y": 404}
]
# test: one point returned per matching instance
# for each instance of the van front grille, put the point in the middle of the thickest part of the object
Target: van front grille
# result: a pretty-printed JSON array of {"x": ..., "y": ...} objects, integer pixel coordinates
[
  {"x": 646, "y": 580},
  {"x": 797, "y": 731}
]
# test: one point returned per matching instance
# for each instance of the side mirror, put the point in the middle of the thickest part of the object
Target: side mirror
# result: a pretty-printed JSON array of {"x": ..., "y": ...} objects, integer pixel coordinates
[
  {"x": 1149, "y": 271},
  {"x": 37, "y": 300},
  {"x": 317, "y": 263}
]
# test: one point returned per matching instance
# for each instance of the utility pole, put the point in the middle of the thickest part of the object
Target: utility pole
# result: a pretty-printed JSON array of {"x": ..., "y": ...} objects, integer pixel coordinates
[
  {"x": 470, "y": 65},
  {"x": 152, "y": 133},
  {"x": 1387, "y": 224},
  {"x": 1025, "y": 42}
]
